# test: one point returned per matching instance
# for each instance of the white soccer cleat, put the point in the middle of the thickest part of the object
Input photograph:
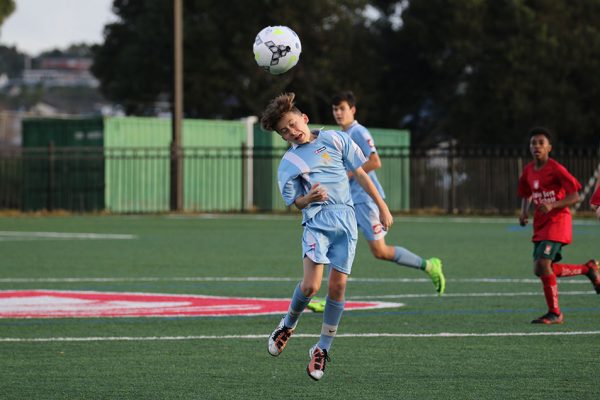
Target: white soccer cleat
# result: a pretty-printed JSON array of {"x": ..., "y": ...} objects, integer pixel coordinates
[
  {"x": 279, "y": 338},
  {"x": 318, "y": 360}
]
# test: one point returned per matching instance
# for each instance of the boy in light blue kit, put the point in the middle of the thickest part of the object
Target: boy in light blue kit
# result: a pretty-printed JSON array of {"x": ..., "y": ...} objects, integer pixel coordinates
[
  {"x": 312, "y": 176},
  {"x": 344, "y": 109}
]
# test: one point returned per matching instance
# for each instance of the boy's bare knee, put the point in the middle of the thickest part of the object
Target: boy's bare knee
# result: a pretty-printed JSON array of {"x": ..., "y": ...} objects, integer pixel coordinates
[
  {"x": 542, "y": 267},
  {"x": 337, "y": 291},
  {"x": 309, "y": 290},
  {"x": 379, "y": 254}
]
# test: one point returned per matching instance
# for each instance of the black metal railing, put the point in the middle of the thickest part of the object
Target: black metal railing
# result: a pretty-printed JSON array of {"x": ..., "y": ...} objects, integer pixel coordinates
[{"x": 447, "y": 179}]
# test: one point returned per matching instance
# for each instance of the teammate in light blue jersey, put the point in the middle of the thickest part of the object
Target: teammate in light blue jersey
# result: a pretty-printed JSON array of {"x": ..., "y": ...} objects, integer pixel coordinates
[
  {"x": 312, "y": 176},
  {"x": 344, "y": 110}
]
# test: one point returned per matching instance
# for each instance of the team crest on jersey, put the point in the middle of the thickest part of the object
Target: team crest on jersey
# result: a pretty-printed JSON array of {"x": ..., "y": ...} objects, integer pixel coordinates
[
  {"x": 325, "y": 156},
  {"x": 536, "y": 184},
  {"x": 370, "y": 143}
]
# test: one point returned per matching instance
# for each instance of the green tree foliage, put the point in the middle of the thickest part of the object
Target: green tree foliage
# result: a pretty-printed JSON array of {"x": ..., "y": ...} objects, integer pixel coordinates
[
  {"x": 479, "y": 71},
  {"x": 7, "y": 7},
  {"x": 135, "y": 63},
  {"x": 485, "y": 71},
  {"x": 11, "y": 61},
  {"x": 73, "y": 50}
]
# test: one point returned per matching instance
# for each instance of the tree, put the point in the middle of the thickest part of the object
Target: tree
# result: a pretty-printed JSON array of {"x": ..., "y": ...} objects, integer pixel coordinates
[
  {"x": 486, "y": 71},
  {"x": 11, "y": 61},
  {"x": 7, "y": 7},
  {"x": 134, "y": 65},
  {"x": 478, "y": 71},
  {"x": 74, "y": 50}
]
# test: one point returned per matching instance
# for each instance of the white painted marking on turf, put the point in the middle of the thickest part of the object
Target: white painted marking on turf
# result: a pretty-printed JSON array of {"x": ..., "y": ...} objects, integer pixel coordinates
[
  {"x": 16, "y": 235},
  {"x": 148, "y": 279},
  {"x": 494, "y": 294},
  {"x": 270, "y": 279},
  {"x": 263, "y": 336}
]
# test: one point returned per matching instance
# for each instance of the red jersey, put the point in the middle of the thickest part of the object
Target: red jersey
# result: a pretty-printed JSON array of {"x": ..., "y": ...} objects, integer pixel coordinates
[
  {"x": 550, "y": 183},
  {"x": 596, "y": 197}
]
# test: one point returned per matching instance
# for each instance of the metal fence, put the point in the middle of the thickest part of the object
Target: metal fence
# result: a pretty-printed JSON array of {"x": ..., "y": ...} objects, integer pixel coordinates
[
  {"x": 483, "y": 180},
  {"x": 449, "y": 180}
]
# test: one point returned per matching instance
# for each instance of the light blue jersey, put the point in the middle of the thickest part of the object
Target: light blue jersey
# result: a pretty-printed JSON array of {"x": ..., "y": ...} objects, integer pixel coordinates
[
  {"x": 324, "y": 161},
  {"x": 362, "y": 137}
]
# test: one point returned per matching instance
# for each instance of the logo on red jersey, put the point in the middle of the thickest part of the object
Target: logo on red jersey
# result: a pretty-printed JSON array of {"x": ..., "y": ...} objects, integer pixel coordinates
[{"x": 536, "y": 184}]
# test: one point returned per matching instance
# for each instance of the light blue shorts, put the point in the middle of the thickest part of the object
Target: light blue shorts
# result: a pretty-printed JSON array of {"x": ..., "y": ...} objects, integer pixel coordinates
[
  {"x": 330, "y": 237},
  {"x": 367, "y": 217}
]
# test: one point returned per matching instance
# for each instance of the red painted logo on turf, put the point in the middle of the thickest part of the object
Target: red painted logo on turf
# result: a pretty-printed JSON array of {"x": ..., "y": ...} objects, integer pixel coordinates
[{"x": 74, "y": 304}]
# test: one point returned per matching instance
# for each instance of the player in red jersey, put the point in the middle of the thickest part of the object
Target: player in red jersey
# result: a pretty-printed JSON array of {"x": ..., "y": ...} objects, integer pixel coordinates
[
  {"x": 552, "y": 189},
  {"x": 595, "y": 201}
]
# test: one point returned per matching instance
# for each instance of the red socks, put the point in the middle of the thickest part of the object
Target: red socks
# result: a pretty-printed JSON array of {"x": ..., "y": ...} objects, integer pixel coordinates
[
  {"x": 549, "y": 282},
  {"x": 550, "y": 292},
  {"x": 561, "y": 270}
]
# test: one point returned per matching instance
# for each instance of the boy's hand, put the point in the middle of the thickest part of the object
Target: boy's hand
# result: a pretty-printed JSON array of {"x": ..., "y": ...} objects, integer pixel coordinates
[
  {"x": 546, "y": 207},
  {"x": 386, "y": 218},
  {"x": 523, "y": 219},
  {"x": 317, "y": 193}
]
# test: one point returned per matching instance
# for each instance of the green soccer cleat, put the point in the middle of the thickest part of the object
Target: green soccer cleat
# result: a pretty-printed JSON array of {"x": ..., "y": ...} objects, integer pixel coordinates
[
  {"x": 316, "y": 305},
  {"x": 434, "y": 270}
]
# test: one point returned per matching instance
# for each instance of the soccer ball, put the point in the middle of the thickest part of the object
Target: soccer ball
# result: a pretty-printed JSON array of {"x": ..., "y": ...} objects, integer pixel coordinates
[{"x": 277, "y": 49}]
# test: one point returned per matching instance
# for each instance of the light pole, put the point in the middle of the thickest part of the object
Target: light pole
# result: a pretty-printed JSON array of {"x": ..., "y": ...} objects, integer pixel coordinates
[{"x": 177, "y": 114}]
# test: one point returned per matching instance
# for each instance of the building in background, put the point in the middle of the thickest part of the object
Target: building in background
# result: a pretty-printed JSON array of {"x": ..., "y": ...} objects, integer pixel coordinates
[{"x": 60, "y": 72}]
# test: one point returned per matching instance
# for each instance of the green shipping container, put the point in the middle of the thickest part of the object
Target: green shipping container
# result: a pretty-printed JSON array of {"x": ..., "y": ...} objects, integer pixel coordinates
[
  {"x": 268, "y": 150},
  {"x": 63, "y": 165},
  {"x": 137, "y": 154}
]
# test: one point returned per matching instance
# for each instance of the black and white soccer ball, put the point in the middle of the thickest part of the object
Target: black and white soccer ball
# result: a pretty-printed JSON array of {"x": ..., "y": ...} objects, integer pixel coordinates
[{"x": 277, "y": 49}]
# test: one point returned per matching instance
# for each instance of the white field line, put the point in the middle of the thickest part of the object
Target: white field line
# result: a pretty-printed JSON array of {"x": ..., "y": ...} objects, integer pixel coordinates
[
  {"x": 263, "y": 336},
  {"x": 489, "y": 294},
  {"x": 19, "y": 235},
  {"x": 272, "y": 279}
]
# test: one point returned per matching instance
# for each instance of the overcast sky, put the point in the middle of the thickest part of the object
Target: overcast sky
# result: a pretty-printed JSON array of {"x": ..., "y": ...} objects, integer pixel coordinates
[{"x": 39, "y": 25}]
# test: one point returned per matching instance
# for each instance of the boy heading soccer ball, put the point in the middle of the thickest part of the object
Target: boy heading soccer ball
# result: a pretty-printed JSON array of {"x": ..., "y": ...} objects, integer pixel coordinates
[{"x": 312, "y": 176}]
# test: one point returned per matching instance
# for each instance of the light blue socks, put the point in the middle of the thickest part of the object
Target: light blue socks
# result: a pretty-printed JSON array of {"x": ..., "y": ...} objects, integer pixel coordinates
[{"x": 331, "y": 319}]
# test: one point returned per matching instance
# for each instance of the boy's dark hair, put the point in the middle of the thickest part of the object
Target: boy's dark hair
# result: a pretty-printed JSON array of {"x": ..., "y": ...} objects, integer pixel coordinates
[
  {"x": 346, "y": 96},
  {"x": 280, "y": 105},
  {"x": 540, "y": 130}
]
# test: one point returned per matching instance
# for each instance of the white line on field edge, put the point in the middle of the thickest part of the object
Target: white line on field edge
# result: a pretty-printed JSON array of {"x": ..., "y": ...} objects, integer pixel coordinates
[
  {"x": 483, "y": 294},
  {"x": 264, "y": 336},
  {"x": 16, "y": 235},
  {"x": 272, "y": 279}
]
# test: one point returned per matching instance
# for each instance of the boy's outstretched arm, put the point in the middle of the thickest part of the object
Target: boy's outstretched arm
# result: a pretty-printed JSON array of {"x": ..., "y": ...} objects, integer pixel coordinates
[{"x": 363, "y": 179}]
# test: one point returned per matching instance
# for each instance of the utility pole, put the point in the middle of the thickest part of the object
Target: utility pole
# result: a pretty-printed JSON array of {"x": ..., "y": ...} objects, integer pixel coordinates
[{"x": 177, "y": 111}]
